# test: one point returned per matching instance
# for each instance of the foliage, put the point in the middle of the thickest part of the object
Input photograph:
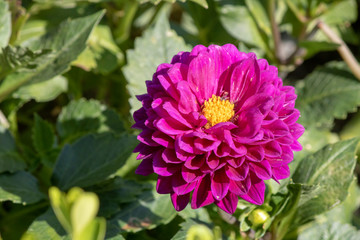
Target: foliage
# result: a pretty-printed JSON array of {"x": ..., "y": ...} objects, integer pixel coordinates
[{"x": 69, "y": 76}]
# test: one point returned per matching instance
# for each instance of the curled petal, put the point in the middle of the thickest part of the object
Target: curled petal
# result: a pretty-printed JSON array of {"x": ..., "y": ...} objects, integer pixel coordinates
[
  {"x": 180, "y": 201},
  {"x": 228, "y": 203},
  {"x": 202, "y": 195},
  {"x": 219, "y": 184}
]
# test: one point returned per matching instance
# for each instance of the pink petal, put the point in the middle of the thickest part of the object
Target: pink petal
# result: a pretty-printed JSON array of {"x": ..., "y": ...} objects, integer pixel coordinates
[
  {"x": 255, "y": 153},
  {"x": 162, "y": 168},
  {"x": 169, "y": 156},
  {"x": 228, "y": 203},
  {"x": 272, "y": 149},
  {"x": 163, "y": 139},
  {"x": 219, "y": 184},
  {"x": 145, "y": 168},
  {"x": 180, "y": 201},
  {"x": 202, "y": 195},
  {"x": 240, "y": 187},
  {"x": 188, "y": 102},
  {"x": 244, "y": 81},
  {"x": 281, "y": 172},
  {"x": 262, "y": 169},
  {"x": 256, "y": 192},
  {"x": 163, "y": 185},
  {"x": 195, "y": 163},
  {"x": 190, "y": 175},
  {"x": 237, "y": 174},
  {"x": 180, "y": 186},
  {"x": 201, "y": 77},
  {"x": 212, "y": 160}
]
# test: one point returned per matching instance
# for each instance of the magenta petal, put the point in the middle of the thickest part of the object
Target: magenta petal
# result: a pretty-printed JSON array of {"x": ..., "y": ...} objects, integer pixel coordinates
[
  {"x": 273, "y": 149},
  {"x": 201, "y": 77},
  {"x": 240, "y": 187},
  {"x": 202, "y": 195},
  {"x": 180, "y": 201},
  {"x": 169, "y": 156},
  {"x": 228, "y": 203},
  {"x": 163, "y": 139},
  {"x": 256, "y": 192},
  {"x": 188, "y": 102},
  {"x": 255, "y": 153},
  {"x": 180, "y": 186},
  {"x": 237, "y": 174},
  {"x": 163, "y": 185},
  {"x": 190, "y": 175},
  {"x": 244, "y": 81},
  {"x": 212, "y": 160},
  {"x": 262, "y": 169},
  {"x": 219, "y": 184},
  {"x": 162, "y": 168},
  {"x": 281, "y": 172},
  {"x": 145, "y": 168},
  {"x": 195, "y": 163},
  {"x": 236, "y": 162}
]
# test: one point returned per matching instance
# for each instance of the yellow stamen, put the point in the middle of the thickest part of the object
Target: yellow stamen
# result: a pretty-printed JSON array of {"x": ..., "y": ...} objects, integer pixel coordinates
[{"x": 217, "y": 110}]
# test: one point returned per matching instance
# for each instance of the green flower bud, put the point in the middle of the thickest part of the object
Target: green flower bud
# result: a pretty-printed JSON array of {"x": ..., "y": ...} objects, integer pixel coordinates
[
  {"x": 199, "y": 232},
  {"x": 258, "y": 217}
]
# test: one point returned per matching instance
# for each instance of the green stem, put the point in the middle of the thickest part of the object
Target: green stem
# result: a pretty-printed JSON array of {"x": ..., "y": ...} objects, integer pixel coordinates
[{"x": 275, "y": 30}]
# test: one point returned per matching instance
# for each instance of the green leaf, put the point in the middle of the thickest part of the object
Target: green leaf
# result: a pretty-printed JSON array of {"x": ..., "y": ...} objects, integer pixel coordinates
[
  {"x": 102, "y": 54},
  {"x": 339, "y": 12},
  {"x": 117, "y": 191},
  {"x": 330, "y": 231},
  {"x": 67, "y": 43},
  {"x": 10, "y": 161},
  {"x": 20, "y": 187},
  {"x": 46, "y": 226},
  {"x": 92, "y": 159},
  {"x": 313, "y": 47},
  {"x": 236, "y": 18},
  {"x": 5, "y": 24},
  {"x": 43, "y": 135},
  {"x": 83, "y": 116},
  {"x": 20, "y": 59},
  {"x": 147, "y": 212},
  {"x": 326, "y": 176},
  {"x": 43, "y": 91},
  {"x": 158, "y": 45},
  {"x": 193, "y": 229},
  {"x": 327, "y": 93}
]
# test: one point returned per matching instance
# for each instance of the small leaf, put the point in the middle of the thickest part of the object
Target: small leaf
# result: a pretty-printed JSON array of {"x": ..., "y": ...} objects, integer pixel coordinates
[
  {"x": 200, "y": 226},
  {"x": 147, "y": 212},
  {"x": 92, "y": 159},
  {"x": 43, "y": 135},
  {"x": 330, "y": 231},
  {"x": 236, "y": 18},
  {"x": 326, "y": 176},
  {"x": 67, "y": 43},
  {"x": 158, "y": 45},
  {"x": 43, "y": 91},
  {"x": 20, "y": 187},
  {"x": 117, "y": 191},
  {"x": 83, "y": 116},
  {"x": 46, "y": 226},
  {"x": 5, "y": 24},
  {"x": 327, "y": 93},
  {"x": 313, "y": 47},
  {"x": 10, "y": 161}
]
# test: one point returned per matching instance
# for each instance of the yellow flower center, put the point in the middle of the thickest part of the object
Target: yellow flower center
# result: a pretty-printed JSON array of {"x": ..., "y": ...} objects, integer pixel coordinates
[{"x": 217, "y": 110}]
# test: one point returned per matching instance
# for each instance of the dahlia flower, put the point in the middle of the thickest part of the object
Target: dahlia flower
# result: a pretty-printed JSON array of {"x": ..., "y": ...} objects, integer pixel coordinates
[{"x": 215, "y": 124}]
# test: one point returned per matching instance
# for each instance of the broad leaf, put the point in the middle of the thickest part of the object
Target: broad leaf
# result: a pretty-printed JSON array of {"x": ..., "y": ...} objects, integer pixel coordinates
[
  {"x": 184, "y": 232},
  {"x": 102, "y": 54},
  {"x": 237, "y": 19},
  {"x": 330, "y": 231},
  {"x": 43, "y": 91},
  {"x": 91, "y": 159},
  {"x": 45, "y": 226},
  {"x": 327, "y": 93},
  {"x": 117, "y": 191},
  {"x": 5, "y": 24},
  {"x": 83, "y": 116},
  {"x": 43, "y": 135},
  {"x": 20, "y": 187},
  {"x": 326, "y": 176},
  {"x": 158, "y": 45},
  {"x": 148, "y": 211},
  {"x": 20, "y": 59},
  {"x": 10, "y": 161},
  {"x": 67, "y": 43}
]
